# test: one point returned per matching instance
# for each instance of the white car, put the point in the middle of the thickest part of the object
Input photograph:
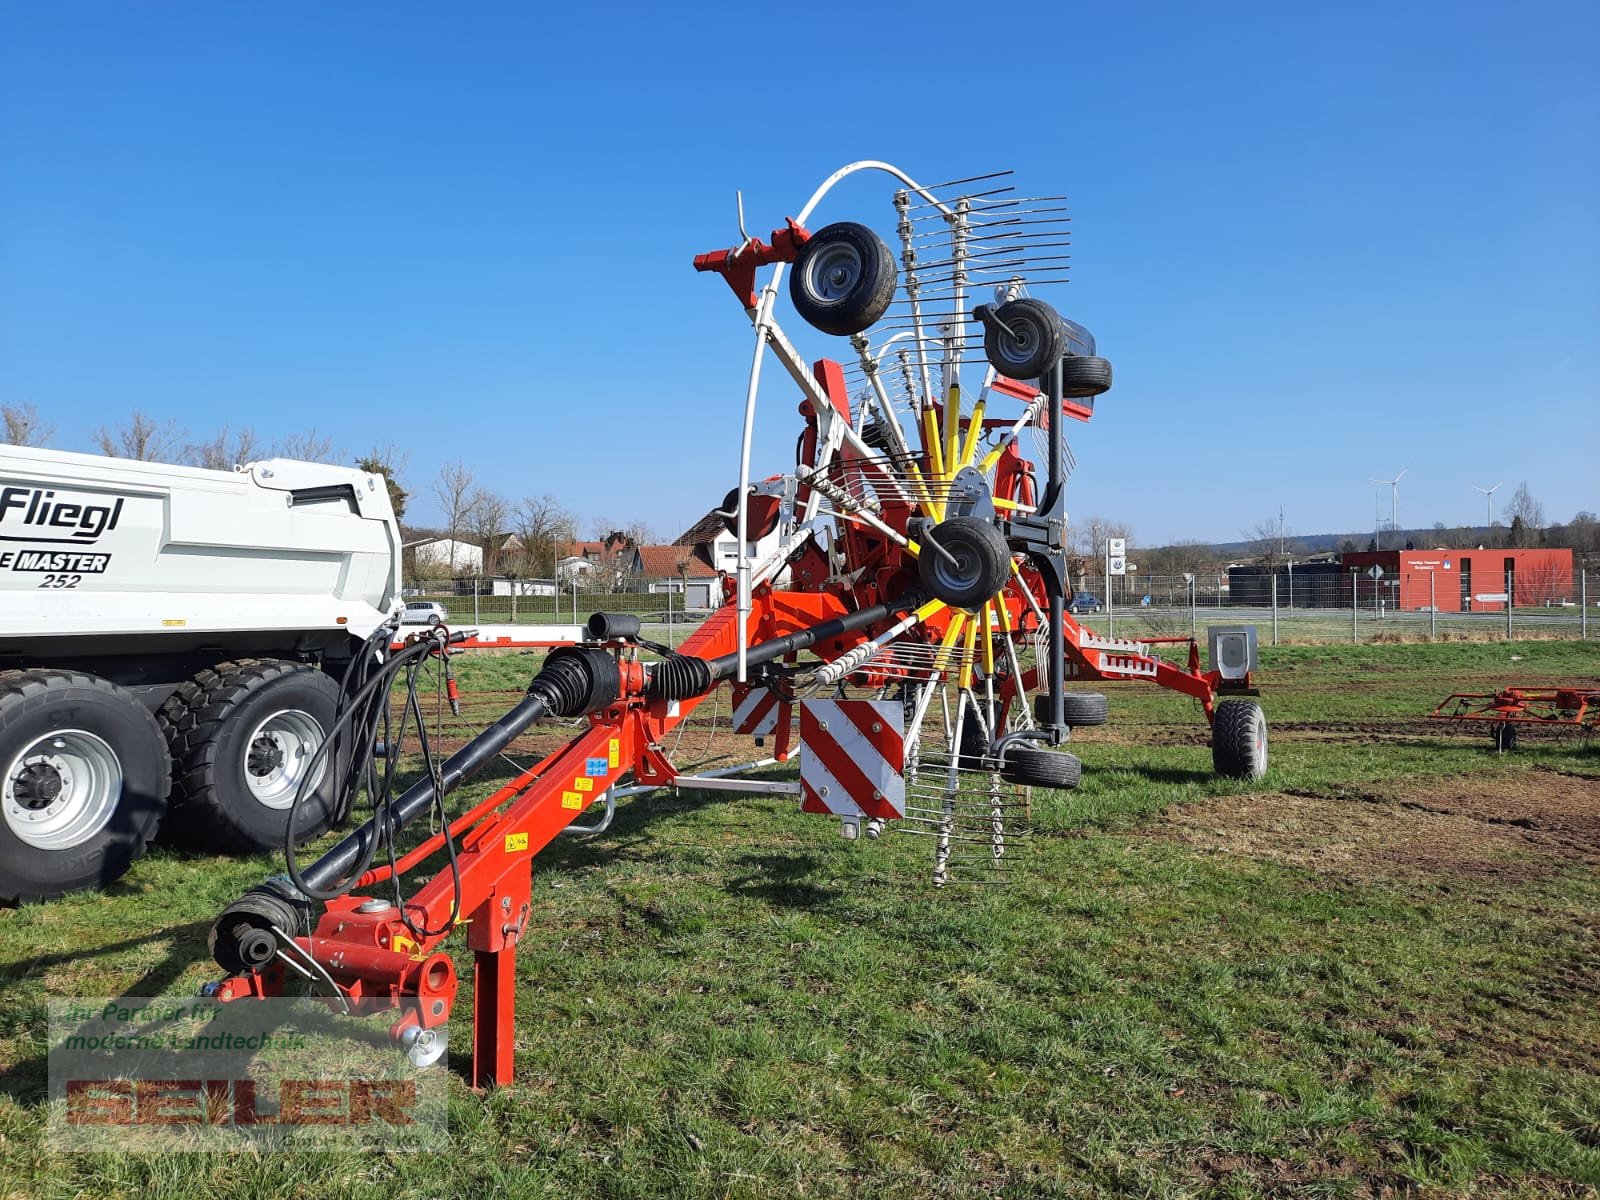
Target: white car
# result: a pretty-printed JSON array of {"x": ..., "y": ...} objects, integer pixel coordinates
[{"x": 424, "y": 612}]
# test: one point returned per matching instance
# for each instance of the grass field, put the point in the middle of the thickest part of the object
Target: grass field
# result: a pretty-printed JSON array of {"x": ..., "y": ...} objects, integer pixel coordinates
[{"x": 1374, "y": 973}]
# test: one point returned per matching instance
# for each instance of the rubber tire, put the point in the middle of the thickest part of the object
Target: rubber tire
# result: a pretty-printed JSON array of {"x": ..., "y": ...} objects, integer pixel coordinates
[
  {"x": 1504, "y": 737},
  {"x": 1080, "y": 709},
  {"x": 1239, "y": 740},
  {"x": 1041, "y": 768},
  {"x": 34, "y": 702},
  {"x": 866, "y": 301},
  {"x": 207, "y": 721},
  {"x": 983, "y": 553},
  {"x": 1083, "y": 376},
  {"x": 1044, "y": 340}
]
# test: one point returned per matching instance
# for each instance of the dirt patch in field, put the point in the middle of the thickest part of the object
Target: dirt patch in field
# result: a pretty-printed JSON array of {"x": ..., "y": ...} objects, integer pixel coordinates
[{"x": 1509, "y": 830}]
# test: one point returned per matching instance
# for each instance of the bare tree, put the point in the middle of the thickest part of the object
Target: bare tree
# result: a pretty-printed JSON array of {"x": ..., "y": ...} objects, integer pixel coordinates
[
  {"x": 1526, "y": 516},
  {"x": 221, "y": 454},
  {"x": 308, "y": 447},
  {"x": 143, "y": 438},
  {"x": 1272, "y": 542},
  {"x": 543, "y": 529},
  {"x": 489, "y": 522},
  {"x": 23, "y": 426},
  {"x": 455, "y": 492}
]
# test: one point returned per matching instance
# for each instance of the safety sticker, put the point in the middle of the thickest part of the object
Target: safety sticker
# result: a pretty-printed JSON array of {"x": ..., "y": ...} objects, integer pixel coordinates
[
  {"x": 616, "y": 753},
  {"x": 516, "y": 841},
  {"x": 583, "y": 783},
  {"x": 571, "y": 800},
  {"x": 596, "y": 767}
]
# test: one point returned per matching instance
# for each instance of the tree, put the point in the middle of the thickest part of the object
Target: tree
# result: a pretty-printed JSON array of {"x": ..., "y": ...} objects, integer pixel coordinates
[
  {"x": 143, "y": 438},
  {"x": 1272, "y": 542},
  {"x": 23, "y": 426},
  {"x": 543, "y": 529},
  {"x": 388, "y": 461},
  {"x": 219, "y": 454},
  {"x": 308, "y": 447},
  {"x": 455, "y": 493},
  {"x": 490, "y": 516},
  {"x": 1526, "y": 516}
]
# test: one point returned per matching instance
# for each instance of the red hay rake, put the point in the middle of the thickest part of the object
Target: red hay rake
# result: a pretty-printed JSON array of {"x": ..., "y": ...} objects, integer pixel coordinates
[
  {"x": 902, "y": 589},
  {"x": 1508, "y": 709}
]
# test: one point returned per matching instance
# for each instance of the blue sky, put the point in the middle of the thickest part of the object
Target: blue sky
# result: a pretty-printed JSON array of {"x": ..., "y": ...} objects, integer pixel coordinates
[{"x": 1319, "y": 244}]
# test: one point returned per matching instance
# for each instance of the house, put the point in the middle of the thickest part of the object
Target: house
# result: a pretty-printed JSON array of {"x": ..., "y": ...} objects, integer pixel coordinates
[
  {"x": 711, "y": 543},
  {"x": 677, "y": 570},
  {"x": 450, "y": 556}
]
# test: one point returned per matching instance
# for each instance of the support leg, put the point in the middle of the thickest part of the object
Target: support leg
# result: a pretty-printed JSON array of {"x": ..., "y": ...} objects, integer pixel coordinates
[{"x": 494, "y": 1001}]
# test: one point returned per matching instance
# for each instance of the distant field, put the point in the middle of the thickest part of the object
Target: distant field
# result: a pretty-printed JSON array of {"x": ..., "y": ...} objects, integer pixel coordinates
[{"x": 1374, "y": 973}]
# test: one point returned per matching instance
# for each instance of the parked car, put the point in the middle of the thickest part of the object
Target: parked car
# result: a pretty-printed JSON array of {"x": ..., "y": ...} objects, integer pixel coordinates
[
  {"x": 1083, "y": 602},
  {"x": 424, "y": 612}
]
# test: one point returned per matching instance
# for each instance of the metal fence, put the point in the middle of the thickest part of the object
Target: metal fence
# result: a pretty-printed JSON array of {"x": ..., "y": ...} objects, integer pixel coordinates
[
  {"x": 1330, "y": 606},
  {"x": 1290, "y": 607}
]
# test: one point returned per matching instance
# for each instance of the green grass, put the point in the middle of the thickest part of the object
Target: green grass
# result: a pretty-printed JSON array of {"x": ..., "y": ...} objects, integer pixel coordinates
[{"x": 724, "y": 999}]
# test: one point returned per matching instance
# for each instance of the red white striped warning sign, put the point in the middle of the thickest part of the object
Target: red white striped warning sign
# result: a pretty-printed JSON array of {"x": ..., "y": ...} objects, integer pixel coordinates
[
  {"x": 852, "y": 758},
  {"x": 757, "y": 710}
]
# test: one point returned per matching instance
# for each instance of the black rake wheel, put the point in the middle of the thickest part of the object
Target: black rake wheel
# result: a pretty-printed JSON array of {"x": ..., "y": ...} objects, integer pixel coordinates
[
  {"x": 843, "y": 279},
  {"x": 1030, "y": 342},
  {"x": 981, "y": 567},
  {"x": 1083, "y": 376},
  {"x": 1078, "y": 708},
  {"x": 1034, "y": 767}
]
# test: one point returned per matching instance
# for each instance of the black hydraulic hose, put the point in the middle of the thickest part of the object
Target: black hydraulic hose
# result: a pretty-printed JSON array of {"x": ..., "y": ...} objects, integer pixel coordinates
[
  {"x": 770, "y": 651},
  {"x": 344, "y": 859}
]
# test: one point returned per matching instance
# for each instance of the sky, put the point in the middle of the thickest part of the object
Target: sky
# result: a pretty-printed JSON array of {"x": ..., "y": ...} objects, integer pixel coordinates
[{"x": 1320, "y": 244}]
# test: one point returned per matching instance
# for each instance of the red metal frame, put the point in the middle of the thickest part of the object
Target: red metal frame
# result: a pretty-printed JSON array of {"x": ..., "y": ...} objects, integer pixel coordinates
[{"x": 1578, "y": 707}]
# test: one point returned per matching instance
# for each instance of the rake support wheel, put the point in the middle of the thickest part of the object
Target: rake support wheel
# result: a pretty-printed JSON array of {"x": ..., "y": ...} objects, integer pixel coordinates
[
  {"x": 1239, "y": 740},
  {"x": 982, "y": 562},
  {"x": 1042, "y": 768},
  {"x": 843, "y": 280}
]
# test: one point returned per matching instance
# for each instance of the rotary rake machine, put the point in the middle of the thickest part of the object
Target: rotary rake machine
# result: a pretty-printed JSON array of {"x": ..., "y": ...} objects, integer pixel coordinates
[{"x": 911, "y": 610}]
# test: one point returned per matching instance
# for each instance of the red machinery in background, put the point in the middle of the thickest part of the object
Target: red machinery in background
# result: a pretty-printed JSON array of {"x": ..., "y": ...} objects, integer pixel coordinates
[
  {"x": 903, "y": 589},
  {"x": 1505, "y": 711}
]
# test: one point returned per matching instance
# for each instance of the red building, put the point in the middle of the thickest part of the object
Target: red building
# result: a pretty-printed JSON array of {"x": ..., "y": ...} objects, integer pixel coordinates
[{"x": 1463, "y": 580}]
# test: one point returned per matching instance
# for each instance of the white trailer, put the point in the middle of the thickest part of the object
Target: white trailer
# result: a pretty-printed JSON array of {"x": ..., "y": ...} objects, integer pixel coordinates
[{"x": 170, "y": 645}]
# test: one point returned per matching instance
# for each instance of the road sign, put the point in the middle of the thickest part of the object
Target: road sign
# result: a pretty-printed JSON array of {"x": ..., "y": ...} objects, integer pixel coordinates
[
  {"x": 1491, "y": 597},
  {"x": 1375, "y": 571},
  {"x": 1116, "y": 547},
  {"x": 1117, "y": 566}
]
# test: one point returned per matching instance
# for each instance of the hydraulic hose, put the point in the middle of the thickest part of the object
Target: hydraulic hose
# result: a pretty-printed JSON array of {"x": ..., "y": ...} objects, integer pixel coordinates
[{"x": 573, "y": 681}]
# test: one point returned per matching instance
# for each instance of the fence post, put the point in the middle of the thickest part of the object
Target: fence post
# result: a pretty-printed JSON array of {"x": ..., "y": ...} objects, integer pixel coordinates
[
  {"x": 1583, "y": 598},
  {"x": 1274, "y": 608},
  {"x": 1433, "y": 609},
  {"x": 475, "y": 617},
  {"x": 1355, "y": 605}
]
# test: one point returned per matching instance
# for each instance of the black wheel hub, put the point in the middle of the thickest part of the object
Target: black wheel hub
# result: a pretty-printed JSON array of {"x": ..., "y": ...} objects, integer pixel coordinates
[
  {"x": 265, "y": 757},
  {"x": 36, "y": 786}
]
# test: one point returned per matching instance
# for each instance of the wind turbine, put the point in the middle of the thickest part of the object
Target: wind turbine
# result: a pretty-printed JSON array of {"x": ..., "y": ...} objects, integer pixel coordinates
[
  {"x": 1394, "y": 498},
  {"x": 1488, "y": 519}
]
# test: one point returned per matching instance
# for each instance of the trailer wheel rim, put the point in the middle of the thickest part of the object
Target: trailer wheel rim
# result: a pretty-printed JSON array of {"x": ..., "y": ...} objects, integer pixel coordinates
[
  {"x": 278, "y": 754},
  {"x": 834, "y": 272},
  {"x": 61, "y": 789}
]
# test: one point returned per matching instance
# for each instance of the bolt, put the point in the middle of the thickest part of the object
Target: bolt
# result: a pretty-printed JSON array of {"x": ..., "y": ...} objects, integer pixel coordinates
[
  {"x": 822, "y": 725},
  {"x": 877, "y": 727}
]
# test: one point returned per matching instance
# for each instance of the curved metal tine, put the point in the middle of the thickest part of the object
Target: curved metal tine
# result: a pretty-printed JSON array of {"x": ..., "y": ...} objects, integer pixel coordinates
[
  {"x": 1001, "y": 174},
  {"x": 975, "y": 197}
]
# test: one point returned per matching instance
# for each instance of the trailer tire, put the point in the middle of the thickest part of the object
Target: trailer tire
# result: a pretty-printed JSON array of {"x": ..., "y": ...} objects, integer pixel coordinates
[
  {"x": 1042, "y": 768},
  {"x": 241, "y": 734},
  {"x": 101, "y": 756},
  {"x": 843, "y": 279},
  {"x": 1239, "y": 740},
  {"x": 1504, "y": 737}
]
